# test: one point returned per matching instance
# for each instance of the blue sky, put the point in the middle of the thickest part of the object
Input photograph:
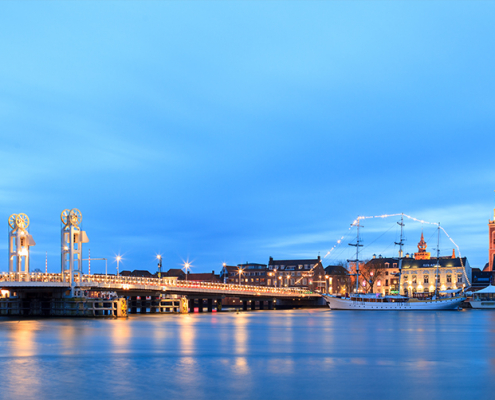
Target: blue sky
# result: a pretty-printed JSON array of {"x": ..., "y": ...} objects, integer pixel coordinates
[{"x": 235, "y": 131}]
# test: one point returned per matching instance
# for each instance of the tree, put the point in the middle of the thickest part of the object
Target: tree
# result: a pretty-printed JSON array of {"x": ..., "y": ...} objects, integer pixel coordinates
[{"x": 371, "y": 272}]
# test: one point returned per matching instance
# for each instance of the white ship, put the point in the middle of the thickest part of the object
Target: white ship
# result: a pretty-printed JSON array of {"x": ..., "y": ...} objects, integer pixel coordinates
[
  {"x": 446, "y": 300},
  {"x": 377, "y": 302},
  {"x": 484, "y": 298}
]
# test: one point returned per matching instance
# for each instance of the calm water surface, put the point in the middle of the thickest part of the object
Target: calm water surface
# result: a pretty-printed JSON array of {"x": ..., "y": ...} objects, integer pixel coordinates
[{"x": 298, "y": 354}]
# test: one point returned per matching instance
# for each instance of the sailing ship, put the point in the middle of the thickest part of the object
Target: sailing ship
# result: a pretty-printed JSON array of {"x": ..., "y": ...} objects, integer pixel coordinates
[{"x": 440, "y": 300}]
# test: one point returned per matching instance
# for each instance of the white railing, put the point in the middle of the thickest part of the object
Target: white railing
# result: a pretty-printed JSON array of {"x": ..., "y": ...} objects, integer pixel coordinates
[{"x": 171, "y": 282}]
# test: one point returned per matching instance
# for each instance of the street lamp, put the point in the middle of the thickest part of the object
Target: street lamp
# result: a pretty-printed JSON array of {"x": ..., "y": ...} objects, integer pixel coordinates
[
  {"x": 187, "y": 265},
  {"x": 159, "y": 257},
  {"x": 118, "y": 258},
  {"x": 240, "y": 273},
  {"x": 326, "y": 283},
  {"x": 225, "y": 273}
]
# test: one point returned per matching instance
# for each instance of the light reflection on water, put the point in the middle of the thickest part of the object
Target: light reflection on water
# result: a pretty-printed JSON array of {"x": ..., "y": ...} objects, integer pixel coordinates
[{"x": 252, "y": 355}]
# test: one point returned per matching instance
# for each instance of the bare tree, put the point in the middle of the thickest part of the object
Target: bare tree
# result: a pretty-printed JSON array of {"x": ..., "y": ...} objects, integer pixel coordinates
[{"x": 371, "y": 272}]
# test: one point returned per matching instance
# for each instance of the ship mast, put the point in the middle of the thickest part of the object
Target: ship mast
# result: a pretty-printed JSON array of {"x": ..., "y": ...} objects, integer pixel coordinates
[
  {"x": 438, "y": 262},
  {"x": 400, "y": 244},
  {"x": 357, "y": 245}
]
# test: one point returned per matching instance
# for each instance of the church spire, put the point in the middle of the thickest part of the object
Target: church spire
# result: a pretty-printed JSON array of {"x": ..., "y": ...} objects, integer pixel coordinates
[{"x": 422, "y": 254}]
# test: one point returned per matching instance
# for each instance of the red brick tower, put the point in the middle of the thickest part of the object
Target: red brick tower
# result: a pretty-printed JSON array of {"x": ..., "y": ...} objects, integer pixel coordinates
[{"x": 491, "y": 244}]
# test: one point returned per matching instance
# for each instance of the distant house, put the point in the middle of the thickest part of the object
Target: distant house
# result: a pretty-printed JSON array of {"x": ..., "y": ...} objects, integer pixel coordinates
[
  {"x": 253, "y": 274},
  {"x": 229, "y": 273},
  {"x": 203, "y": 277},
  {"x": 142, "y": 273},
  {"x": 177, "y": 272},
  {"x": 481, "y": 279},
  {"x": 307, "y": 273},
  {"x": 338, "y": 279}
]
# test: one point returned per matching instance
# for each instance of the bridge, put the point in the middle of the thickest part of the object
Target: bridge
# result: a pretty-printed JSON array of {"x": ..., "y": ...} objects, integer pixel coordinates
[
  {"x": 73, "y": 293},
  {"x": 87, "y": 293}
]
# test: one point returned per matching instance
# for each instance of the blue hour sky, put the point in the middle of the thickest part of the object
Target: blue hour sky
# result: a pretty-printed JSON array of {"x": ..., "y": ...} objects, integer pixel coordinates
[{"x": 235, "y": 131}]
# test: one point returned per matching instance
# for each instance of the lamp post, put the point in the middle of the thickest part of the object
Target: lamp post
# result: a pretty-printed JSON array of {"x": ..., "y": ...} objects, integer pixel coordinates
[
  {"x": 118, "y": 258},
  {"x": 187, "y": 265},
  {"x": 240, "y": 273},
  {"x": 326, "y": 283},
  {"x": 159, "y": 257}
]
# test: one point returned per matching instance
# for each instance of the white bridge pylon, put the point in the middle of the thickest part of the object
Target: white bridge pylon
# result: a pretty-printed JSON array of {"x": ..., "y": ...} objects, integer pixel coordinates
[
  {"x": 19, "y": 243},
  {"x": 72, "y": 238}
]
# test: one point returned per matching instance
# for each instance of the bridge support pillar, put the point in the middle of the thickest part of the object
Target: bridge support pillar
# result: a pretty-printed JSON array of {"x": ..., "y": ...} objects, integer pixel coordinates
[
  {"x": 154, "y": 304},
  {"x": 191, "y": 305},
  {"x": 261, "y": 305},
  {"x": 253, "y": 304},
  {"x": 244, "y": 305},
  {"x": 270, "y": 304},
  {"x": 143, "y": 305},
  {"x": 210, "y": 305},
  {"x": 219, "y": 304},
  {"x": 200, "y": 305},
  {"x": 183, "y": 305},
  {"x": 133, "y": 308}
]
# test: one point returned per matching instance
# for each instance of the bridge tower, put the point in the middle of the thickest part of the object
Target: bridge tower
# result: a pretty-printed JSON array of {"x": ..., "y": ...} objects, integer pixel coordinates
[
  {"x": 19, "y": 243},
  {"x": 72, "y": 239}
]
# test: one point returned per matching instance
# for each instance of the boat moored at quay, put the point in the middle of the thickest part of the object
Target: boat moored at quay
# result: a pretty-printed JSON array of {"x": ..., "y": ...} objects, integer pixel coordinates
[
  {"x": 438, "y": 300},
  {"x": 484, "y": 298},
  {"x": 392, "y": 303}
]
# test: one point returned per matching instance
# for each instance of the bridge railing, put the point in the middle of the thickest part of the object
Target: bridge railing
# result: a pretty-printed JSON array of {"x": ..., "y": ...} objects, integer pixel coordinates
[{"x": 158, "y": 282}]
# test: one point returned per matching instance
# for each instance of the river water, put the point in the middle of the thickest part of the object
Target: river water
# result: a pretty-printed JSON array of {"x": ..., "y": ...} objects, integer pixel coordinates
[{"x": 292, "y": 354}]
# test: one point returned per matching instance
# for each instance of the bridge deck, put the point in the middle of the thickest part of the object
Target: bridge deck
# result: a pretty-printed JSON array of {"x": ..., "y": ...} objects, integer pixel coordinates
[{"x": 170, "y": 285}]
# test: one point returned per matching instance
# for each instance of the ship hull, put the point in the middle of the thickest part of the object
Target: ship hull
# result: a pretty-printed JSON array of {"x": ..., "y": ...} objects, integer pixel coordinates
[
  {"x": 483, "y": 305},
  {"x": 336, "y": 303}
]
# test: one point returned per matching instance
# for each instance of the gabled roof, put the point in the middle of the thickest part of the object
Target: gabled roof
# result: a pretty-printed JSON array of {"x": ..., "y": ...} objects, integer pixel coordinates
[
  {"x": 294, "y": 262},
  {"x": 203, "y": 277},
  {"x": 336, "y": 270},
  {"x": 141, "y": 273},
  {"x": 175, "y": 272}
]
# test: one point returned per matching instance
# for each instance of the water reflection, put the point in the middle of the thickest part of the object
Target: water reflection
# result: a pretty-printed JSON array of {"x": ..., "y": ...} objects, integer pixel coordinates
[
  {"x": 187, "y": 334},
  {"x": 263, "y": 355},
  {"x": 240, "y": 333}
]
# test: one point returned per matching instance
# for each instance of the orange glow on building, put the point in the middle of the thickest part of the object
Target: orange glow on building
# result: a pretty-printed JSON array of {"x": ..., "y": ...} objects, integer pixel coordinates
[{"x": 422, "y": 254}]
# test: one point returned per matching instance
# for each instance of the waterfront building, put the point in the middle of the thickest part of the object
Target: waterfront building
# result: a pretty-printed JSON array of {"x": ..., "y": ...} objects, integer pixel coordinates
[
  {"x": 229, "y": 274},
  {"x": 481, "y": 279},
  {"x": 254, "y": 274},
  {"x": 203, "y": 277},
  {"x": 419, "y": 272},
  {"x": 177, "y": 272},
  {"x": 307, "y": 273},
  {"x": 142, "y": 273},
  {"x": 338, "y": 279}
]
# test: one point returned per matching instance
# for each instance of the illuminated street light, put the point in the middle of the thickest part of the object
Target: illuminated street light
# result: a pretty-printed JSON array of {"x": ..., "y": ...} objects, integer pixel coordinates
[
  {"x": 240, "y": 273},
  {"x": 159, "y": 257},
  {"x": 187, "y": 265},
  {"x": 118, "y": 258}
]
